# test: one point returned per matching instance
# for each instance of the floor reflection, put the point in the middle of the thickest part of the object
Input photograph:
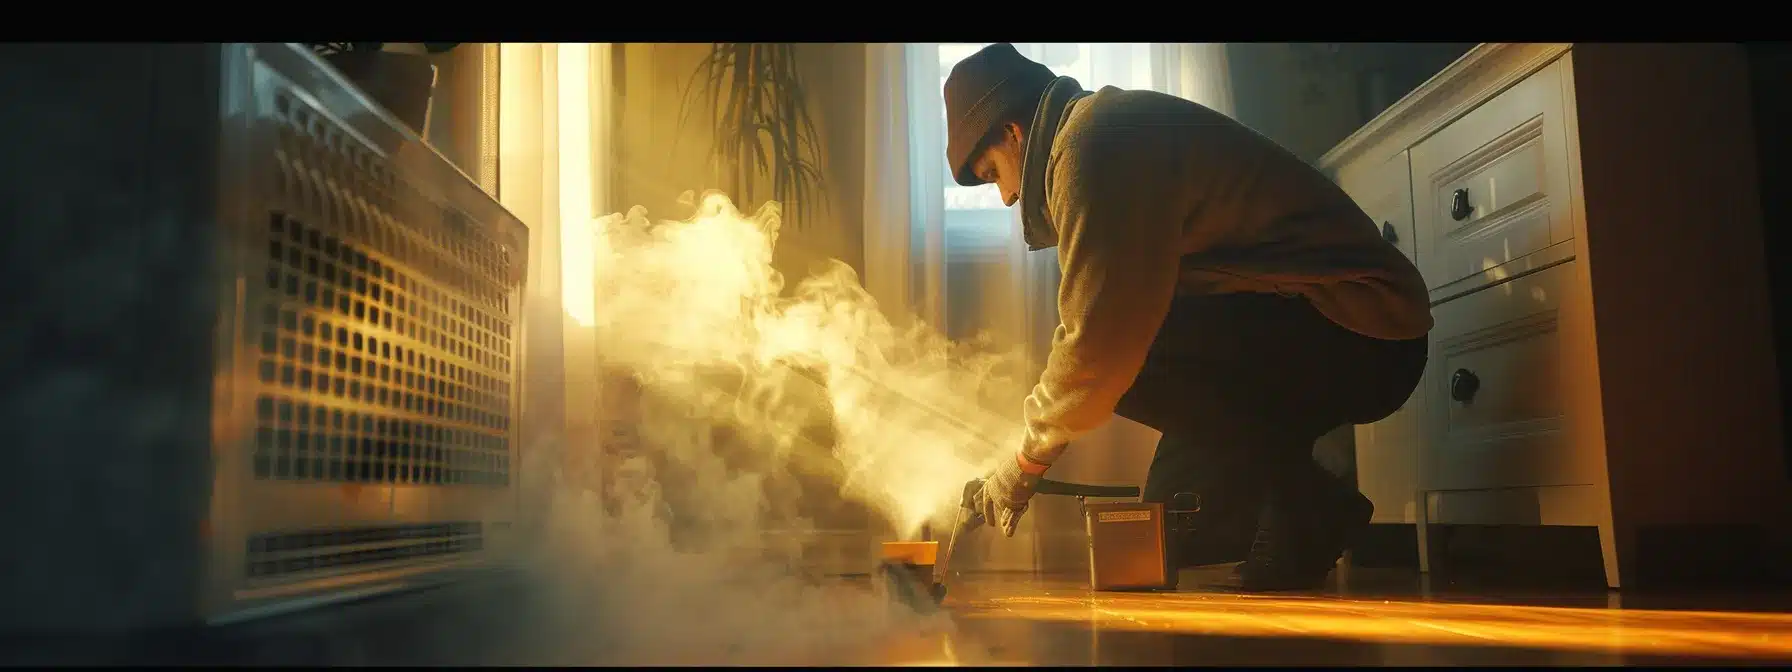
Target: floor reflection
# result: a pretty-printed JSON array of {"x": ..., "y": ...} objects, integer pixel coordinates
[{"x": 1041, "y": 622}]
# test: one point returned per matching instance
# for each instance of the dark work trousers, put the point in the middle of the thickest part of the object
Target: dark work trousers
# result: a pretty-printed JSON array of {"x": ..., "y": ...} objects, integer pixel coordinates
[{"x": 1241, "y": 386}]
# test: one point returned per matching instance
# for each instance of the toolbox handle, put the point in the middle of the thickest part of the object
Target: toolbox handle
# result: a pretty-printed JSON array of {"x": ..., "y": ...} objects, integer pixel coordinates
[{"x": 1051, "y": 487}]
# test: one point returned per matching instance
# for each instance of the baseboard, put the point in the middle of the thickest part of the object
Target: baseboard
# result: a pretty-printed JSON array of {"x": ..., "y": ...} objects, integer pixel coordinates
[
  {"x": 1709, "y": 556},
  {"x": 1666, "y": 556}
]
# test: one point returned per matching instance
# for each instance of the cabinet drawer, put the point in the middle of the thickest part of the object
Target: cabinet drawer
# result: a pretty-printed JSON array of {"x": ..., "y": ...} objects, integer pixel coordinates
[
  {"x": 1496, "y": 395},
  {"x": 1492, "y": 186},
  {"x": 1384, "y": 191}
]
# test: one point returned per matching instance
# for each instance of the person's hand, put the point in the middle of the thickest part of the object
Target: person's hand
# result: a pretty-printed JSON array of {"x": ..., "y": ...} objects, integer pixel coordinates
[{"x": 1004, "y": 495}]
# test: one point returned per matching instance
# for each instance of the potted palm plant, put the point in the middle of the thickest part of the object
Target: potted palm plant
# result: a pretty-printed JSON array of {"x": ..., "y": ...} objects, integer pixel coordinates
[
  {"x": 762, "y": 129},
  {"x": 397, "y": 75}
]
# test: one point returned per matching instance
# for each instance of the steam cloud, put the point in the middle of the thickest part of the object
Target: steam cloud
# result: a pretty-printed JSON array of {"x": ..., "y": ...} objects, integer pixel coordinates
[{"x": 743, "y": 420}]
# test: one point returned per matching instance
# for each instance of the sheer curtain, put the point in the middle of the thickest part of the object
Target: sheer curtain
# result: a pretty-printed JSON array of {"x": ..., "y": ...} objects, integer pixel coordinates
[
  {"x": 553, "y": 152},
  {"x": 904, "y": 215},
  {"x": 1198, "y": 72},
  {"x": 957, "y": 250}
]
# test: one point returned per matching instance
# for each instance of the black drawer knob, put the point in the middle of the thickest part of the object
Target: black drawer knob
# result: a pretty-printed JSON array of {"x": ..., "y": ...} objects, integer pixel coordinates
[
  {"x": 1463, "y": 385},
  {"x": 1185, "y": 502},
  {"x": 1460, "y": 208},
  {"x": 1387, "y": 233}
]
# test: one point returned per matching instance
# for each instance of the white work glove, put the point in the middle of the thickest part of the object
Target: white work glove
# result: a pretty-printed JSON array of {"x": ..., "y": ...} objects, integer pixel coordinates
[{"x": 1004, "y": 495}]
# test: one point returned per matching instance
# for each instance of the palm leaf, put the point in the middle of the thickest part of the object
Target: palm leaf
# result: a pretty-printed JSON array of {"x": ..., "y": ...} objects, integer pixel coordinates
[
  {"x": 760, "y": 124},
  {"x": 761, "y": 161},
  {"x": 703, "y": 81},
  {"x": 800, "y": 130},
  {"x": 740, "y": 98}
]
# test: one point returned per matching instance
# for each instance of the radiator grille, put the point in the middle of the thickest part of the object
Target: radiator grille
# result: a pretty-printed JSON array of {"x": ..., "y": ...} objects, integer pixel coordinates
[
  {"x": 386, "y": 341},
  {"x": 271, "y": 555}
]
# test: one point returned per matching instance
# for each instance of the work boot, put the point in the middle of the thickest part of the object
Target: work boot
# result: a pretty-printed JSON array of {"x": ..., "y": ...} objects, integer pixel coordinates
[
  {"x": 1219, "y": 533},
  {"x": 1305, "y": 529}
]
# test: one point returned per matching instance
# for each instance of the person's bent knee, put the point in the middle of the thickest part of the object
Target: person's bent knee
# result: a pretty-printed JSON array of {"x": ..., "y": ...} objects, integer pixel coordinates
[{"x": 1388, "y": 393}]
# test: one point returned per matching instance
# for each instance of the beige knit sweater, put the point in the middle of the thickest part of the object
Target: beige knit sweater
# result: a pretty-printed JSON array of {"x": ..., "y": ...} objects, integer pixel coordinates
[{"x": 1147, "y": 196}]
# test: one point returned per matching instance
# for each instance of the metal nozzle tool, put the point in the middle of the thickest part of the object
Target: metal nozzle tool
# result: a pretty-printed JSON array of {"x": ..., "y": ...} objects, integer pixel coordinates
[
  {"x": 970, "y": 518},
  {"x": 925, "y": 595}
]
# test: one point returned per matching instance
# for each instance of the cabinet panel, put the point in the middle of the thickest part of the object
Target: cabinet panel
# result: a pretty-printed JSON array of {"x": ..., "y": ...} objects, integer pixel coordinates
[
  {"x": 1492, "y": 186},
  {"x": 1496, "y": 391},
  {"x": 1384, "y": 191}
]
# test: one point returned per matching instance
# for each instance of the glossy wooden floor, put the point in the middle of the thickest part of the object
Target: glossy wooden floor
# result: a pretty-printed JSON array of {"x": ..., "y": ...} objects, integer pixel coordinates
[
  {"x": 1365, "y": 619},
  {"x": 1384, "y": 620}
]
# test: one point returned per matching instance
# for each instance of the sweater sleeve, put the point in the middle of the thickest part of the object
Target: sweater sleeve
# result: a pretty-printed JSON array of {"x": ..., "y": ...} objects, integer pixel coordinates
[{"x": 1119, "y": 223}]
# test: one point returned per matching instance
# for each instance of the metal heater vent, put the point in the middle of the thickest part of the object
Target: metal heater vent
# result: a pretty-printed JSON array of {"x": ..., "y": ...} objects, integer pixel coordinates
[
  {"x": 386, "y": 340},
  {"x": 378, "y": 349},
  {"x": 318, "y": 550}
]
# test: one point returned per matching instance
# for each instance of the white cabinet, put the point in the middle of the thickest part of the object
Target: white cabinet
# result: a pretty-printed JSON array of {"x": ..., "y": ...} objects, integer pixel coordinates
[
  {"x": 1491, "y": 188},
  {"x": 1384, "y": 189},
  {"x": 1587, "y": 220}
]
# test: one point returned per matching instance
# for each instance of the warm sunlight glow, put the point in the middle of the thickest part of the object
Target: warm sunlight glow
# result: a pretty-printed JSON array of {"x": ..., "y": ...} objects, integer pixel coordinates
[
  {"x": 695, "y": 311},
  {"x": 576, "y": 180},
  {"x": 1635, "y": 631}
]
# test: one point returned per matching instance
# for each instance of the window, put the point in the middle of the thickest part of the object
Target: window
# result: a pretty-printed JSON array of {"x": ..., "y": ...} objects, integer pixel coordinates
[{"x": 976, "y": 221}]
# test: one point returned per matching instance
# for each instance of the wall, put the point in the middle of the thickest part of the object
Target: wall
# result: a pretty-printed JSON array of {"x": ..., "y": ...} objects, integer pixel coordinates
[
  {"x": 1274, "y": 94},
  {"x": 1311, "y": 104}
]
